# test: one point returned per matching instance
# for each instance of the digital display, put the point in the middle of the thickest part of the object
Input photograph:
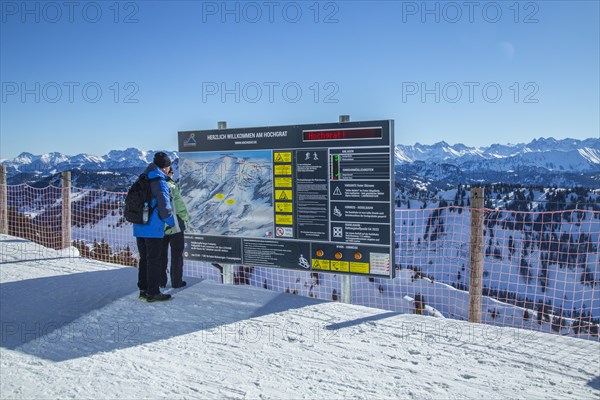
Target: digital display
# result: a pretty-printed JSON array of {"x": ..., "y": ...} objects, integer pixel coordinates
[{"x": 343, "y": 134}]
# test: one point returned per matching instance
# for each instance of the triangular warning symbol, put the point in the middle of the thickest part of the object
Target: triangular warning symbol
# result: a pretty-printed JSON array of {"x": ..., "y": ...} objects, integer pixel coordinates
[
  {"x": 278, "y": 157},
  {"x": 317, "y": 265},
  {"x": 282, "y": 196},
  {"x": 337, "y": 191}
]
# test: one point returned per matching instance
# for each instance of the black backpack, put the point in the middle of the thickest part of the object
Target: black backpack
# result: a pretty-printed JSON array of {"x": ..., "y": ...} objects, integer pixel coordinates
[{"x": 138, "y": 194}]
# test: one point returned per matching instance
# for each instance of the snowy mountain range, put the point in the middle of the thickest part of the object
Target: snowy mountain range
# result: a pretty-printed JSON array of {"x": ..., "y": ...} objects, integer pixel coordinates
[
  {"x": 543, "y": 162},
  {"x": 543, "y": 152},
  {"x": 56, "y": 162},
  {"x": 114, "y": 171}
]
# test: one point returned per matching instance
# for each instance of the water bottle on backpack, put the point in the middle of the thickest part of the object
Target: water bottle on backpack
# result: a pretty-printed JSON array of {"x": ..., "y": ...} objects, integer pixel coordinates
[{"x": 145, "y": 213}]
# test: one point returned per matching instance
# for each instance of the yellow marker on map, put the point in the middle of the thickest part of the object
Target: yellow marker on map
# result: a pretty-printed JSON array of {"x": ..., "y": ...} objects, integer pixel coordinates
[
  {"x": 220, "y": 196},
  {"x": 230, "y": 201}
]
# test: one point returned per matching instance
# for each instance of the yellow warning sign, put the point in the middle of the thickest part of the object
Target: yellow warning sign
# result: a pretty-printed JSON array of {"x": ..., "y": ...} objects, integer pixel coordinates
[
  {"x": 220, "y": 196},
  {"x": 284, "y": 157},
  {"x": 283, "y": 182},
  {"x": 283, "y": 219},
  {"x": 283, "y": 207},
  {"x": 230, "y": 201},
  {"x": 283, "y": 170},
  {"x": 283, "y": 195},
  {"x": 320, "y": 264},
  {"x": 359, "y": 267},
  {"x": 340, "y": 266}
]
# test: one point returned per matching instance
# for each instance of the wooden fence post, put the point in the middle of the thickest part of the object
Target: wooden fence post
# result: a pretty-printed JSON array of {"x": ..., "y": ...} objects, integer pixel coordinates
[
  {"x": 3, "y": 202},
  {"x": 66, "y": 210},
  {"x": 476, "y": 276}
]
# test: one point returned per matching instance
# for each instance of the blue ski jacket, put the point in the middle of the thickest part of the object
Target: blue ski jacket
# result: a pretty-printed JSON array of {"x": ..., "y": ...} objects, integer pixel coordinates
[{"x": 161, "y": 205}]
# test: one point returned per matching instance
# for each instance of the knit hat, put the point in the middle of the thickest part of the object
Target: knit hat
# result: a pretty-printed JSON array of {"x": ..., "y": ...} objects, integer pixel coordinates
[{"x": 161, "y": 160}]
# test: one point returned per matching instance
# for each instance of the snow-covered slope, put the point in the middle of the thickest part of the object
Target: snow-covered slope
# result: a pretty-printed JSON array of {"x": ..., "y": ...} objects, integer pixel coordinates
[
  {"x": 212, "y": 185},
  {"x": 74, "y": 328}
]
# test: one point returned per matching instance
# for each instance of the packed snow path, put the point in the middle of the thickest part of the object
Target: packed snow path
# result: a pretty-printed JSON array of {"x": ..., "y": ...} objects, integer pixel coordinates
[{"x": 74, "y": 328}]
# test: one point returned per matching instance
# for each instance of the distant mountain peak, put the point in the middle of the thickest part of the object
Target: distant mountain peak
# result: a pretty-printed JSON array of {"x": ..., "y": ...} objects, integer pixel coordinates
[{"x": 544, "y": 161}]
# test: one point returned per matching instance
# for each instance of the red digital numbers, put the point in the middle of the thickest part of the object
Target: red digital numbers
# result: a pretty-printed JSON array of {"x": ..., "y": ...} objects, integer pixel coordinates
[{"x": 346, "y": 134}]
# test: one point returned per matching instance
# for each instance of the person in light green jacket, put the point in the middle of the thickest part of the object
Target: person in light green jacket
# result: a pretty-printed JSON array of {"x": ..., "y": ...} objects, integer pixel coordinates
[{"x": 174, "y": 237}]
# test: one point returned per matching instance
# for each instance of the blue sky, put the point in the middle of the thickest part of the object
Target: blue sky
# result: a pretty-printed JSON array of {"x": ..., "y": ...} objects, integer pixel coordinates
[{"x": 105, "y": 75}]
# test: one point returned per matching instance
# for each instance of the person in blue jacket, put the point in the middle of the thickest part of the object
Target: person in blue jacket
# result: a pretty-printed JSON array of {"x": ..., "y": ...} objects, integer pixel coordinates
[{"x": 149, "y": 236}]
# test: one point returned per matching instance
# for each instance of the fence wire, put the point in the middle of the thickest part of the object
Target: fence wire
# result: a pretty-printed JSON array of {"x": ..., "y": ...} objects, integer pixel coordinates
[{"x": 541, "y": 269}]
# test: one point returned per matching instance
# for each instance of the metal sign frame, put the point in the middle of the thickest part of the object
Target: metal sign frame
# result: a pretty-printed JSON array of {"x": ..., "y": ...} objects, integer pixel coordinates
[{"x": 314, "y": 197}]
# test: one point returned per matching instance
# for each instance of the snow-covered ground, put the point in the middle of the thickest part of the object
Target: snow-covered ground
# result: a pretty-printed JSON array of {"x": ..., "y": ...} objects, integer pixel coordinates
[{"x": 74, "y": 328}]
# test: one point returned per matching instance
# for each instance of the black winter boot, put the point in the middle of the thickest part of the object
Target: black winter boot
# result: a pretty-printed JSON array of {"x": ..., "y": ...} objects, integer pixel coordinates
[{"x": 158, "y": 297}]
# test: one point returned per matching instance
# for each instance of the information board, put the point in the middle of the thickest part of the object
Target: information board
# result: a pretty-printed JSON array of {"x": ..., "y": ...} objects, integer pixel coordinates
[{"x": 311, "y": 197}]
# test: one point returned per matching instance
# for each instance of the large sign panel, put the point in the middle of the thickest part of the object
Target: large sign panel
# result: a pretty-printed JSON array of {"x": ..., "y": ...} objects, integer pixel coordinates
[{"x": 311, "y": 197}]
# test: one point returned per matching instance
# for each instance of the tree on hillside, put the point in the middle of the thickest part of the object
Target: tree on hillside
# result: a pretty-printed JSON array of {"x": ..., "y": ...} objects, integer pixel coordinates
[
  {"x": 587, "y": 278},
  {"x": 419, "y": 303},
  {"x": 84, "y": 250},
  {"x": 125, "y": 257},
  {"x": 101, "y": 251}
]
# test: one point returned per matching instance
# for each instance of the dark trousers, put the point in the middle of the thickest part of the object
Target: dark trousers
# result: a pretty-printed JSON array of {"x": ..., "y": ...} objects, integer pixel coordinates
[
  {"x": 175, "y": 241},
  {"x": 149, "y": 267}
]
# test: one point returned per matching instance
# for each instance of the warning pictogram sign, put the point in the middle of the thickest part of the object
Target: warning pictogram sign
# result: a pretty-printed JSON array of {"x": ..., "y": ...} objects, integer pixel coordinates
[
  {"x": 320, "y": 264},
  {"x": 283, "y": 195},
  {"x": 283, "y": 207},
  {"x": 282, "y": 157},
  {"x": 284, "y": 219},
  {"x": 283, "y": 182},
  {"x": 283, "y": 169}
]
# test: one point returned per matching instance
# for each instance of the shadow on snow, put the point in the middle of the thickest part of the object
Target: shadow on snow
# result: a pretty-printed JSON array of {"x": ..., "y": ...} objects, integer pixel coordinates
[{"x": 77, "y": 315}]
